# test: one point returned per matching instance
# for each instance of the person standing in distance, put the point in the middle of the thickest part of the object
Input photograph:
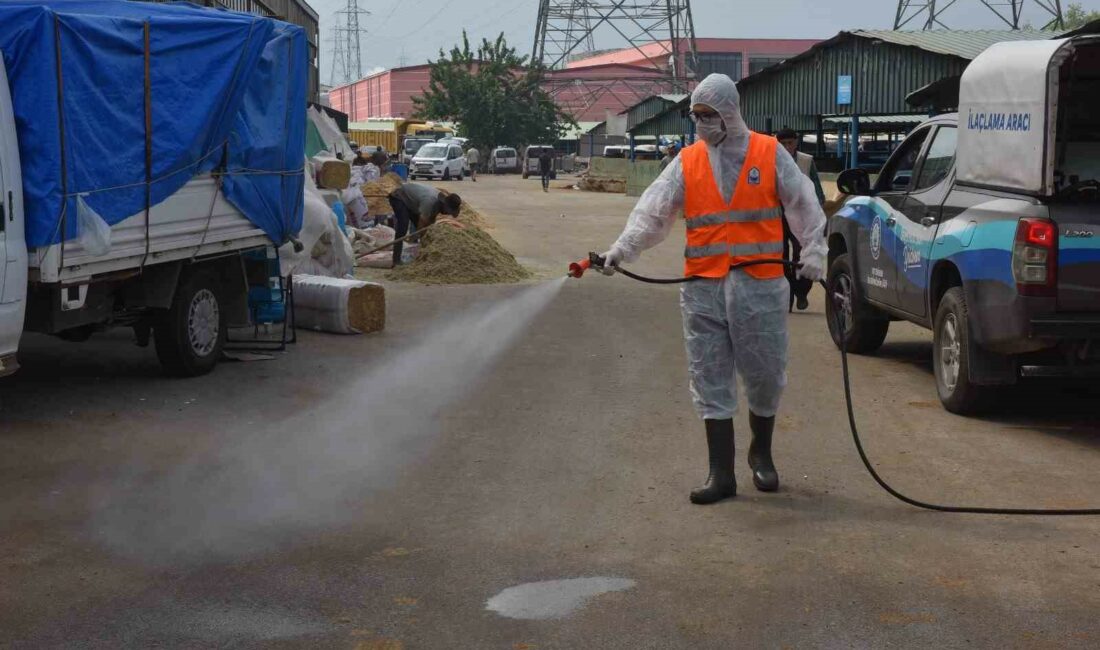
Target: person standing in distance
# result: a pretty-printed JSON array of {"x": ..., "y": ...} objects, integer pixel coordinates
[
  {"x": 792, "y": 250},
  {"x": 546, "y": 168}
]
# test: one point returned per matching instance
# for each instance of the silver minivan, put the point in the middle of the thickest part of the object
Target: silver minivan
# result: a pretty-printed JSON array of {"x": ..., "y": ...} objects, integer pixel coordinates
[
  {"x": 439, "y": 160},
  {"x": 504, "y": 160}
]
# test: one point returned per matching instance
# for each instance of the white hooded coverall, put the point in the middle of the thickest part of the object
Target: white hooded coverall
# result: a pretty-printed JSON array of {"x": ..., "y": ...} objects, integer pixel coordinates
[{"x": 737, "y": 324}]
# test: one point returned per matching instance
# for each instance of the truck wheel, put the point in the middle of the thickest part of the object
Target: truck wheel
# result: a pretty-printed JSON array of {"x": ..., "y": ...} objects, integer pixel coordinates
[
  {"x": 865, "y": 327},
  {"x": 190, "y": 335},
  {"x": 951, "y": 357}
]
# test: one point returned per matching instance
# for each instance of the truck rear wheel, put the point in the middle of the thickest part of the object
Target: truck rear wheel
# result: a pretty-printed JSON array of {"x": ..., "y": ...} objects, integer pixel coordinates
[
  {"x": 951, "y": 357},
  {"x": 865, "y": 327},
  {"x": 190, "y": 335}
]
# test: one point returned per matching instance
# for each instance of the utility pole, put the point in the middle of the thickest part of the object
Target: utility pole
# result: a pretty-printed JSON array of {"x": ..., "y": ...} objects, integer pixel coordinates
[
  {"x": 347, "y": 44},
  {"x": 338, "y": 73},
  {"x": 661, "y": 32},
  {"x": 928, "y": 14}
]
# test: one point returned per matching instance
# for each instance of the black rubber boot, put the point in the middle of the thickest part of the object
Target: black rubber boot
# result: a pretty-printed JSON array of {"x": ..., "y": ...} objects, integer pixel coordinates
[
  {"x": 764, "y": 476},
  {"x": 721, "y": 483}
]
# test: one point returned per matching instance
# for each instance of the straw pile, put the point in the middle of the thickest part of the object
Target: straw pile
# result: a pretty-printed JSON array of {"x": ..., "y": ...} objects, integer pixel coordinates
[
  {"x": 460, "y": 255},
  {"x": 377, "y": 193}
]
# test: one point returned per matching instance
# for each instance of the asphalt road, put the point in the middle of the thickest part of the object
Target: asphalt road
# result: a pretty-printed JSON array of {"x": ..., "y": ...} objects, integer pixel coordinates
[{"x": 567, "y": 455}]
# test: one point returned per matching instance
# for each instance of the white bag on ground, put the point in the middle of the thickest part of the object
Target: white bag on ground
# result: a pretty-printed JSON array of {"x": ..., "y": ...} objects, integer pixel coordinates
[
  {"x": 95, "y": 234},
  {"x": 325, "y": 248},
  {"x": 339, "y": 306}
]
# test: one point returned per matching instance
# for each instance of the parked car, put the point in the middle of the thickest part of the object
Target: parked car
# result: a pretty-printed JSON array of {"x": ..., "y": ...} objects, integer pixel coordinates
[
  {"x": 410, "y": 147},
  {"x": 438, "y": 160},
  {"x": 873, "y": 154},
  {"x": 616, "y": 151},
  {"x": 984, "y": 227},
  {"x": 504, "y": 160},
  {"x": 531, "y": 160},
  {"x": 646, "y": 152}
]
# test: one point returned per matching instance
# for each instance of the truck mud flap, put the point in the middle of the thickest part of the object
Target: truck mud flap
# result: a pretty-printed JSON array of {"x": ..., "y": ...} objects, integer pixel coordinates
[{"x": 991, "y": 369}]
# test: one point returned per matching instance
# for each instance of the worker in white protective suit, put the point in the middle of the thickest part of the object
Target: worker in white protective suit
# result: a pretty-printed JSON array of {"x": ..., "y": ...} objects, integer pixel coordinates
[{"x": 734, "y": 186}]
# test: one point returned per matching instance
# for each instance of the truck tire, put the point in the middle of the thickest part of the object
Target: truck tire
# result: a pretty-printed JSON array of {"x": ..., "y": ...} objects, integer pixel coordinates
[
  {"x": 951, "y": 357},
  {"x": 866, "y": 326},
  {"x": 189, "y": 335}
]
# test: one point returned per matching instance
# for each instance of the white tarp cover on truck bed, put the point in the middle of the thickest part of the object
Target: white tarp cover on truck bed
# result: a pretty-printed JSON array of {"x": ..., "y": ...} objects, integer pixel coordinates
[{"x": 1007, "y": 105}]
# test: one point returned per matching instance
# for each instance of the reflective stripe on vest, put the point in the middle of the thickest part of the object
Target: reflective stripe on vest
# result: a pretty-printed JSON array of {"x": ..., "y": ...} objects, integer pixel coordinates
[
  {"x": 734, "y": 216},
  {"x": 737, "y": 250},
  {"x": 748, "y": 227}
]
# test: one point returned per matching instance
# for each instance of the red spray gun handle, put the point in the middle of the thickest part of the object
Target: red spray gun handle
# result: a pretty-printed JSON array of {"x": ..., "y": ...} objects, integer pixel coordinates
[{"x": 577, "y": 269}]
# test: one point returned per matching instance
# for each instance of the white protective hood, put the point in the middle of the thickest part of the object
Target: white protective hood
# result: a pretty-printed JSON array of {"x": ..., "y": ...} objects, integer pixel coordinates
[{"x": 1007, "y": 116}]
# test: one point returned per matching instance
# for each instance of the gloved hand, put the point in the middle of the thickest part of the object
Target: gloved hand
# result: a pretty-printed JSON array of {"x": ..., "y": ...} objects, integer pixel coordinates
[
  {"x": 611, "y": 260},
  {"x": 813, "y": 265}
]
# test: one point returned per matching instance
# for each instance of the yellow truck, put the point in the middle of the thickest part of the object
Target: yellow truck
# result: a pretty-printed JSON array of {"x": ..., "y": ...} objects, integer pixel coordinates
[{"x": 390, "y": 134}]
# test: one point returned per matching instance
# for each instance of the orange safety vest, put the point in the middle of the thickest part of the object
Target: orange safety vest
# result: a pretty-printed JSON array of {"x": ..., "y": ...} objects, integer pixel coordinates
[{"x": 749, "y": 227}]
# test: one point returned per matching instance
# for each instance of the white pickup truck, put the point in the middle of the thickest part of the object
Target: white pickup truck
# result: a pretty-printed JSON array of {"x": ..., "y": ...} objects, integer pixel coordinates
[{"x": 176, "y": 270}]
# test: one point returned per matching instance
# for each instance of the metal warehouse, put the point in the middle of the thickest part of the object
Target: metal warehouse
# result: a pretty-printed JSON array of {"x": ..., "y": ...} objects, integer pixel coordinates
[{"x": 861, "y": 74}]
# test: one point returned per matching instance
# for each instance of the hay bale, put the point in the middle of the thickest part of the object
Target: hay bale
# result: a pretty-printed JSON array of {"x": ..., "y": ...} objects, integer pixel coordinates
[
  {"x": 466, "y": 255},
  {"x": 334, "y": 175},
  {"x": 338, "y": 305}
]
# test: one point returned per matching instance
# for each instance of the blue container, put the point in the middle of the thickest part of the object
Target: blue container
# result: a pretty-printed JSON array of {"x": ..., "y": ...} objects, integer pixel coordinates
[
  {"x": 267, "y": 304},
  {"x": 266, "y": 301},
  {"x": 401, "y": 170},
  {"x": 341, "y": 218}
]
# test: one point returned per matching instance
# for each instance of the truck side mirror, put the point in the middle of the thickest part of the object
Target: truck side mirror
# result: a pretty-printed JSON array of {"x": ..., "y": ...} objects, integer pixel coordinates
[{"x": 854, "y": 182}]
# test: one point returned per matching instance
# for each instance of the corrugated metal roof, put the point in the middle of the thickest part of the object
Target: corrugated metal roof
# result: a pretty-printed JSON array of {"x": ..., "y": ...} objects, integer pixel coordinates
[
  {"x": 878, "y": 119},
  {"x": 675, "y": 99},
  {"x": 964, "y": 44},
  {"x": 961, "y": 44}
]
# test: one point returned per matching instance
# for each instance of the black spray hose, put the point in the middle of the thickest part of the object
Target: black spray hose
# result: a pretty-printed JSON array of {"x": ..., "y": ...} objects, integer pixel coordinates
[{"x": 598, "y": 262}]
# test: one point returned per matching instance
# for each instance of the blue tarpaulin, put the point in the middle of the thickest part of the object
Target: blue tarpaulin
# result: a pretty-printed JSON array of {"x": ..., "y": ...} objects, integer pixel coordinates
[{"x": 223, "y": 90}]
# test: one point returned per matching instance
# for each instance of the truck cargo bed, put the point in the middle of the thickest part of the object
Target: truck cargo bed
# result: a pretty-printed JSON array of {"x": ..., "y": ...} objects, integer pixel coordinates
[{"x": 181, "y": 227}]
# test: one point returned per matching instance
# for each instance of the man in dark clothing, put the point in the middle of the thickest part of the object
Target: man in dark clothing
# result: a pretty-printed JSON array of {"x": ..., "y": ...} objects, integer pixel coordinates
[
  {"x": 419, "y": 205},
  {"x": 800, "y": 287},
  {"x": 546, "y": 167},
  {"x": 670, "y": 155}
]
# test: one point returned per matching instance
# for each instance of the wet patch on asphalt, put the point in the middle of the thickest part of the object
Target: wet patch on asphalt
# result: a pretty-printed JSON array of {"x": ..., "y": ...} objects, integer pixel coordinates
[{"x": 539, "y": 601}]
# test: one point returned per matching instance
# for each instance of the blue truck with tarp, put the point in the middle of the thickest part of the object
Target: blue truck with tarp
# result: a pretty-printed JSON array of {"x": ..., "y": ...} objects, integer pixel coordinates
[
  {"x": 147, "y": 151},
  {"x": 984, "y": 227}
]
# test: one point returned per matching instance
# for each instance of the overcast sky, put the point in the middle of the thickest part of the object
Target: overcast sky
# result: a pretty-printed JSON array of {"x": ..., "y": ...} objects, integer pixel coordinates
[{"x": 405, "y": 32}]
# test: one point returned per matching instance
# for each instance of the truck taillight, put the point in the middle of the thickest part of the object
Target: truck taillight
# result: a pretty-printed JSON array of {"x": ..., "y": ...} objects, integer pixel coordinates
[{"x": 1035, "y": 258}]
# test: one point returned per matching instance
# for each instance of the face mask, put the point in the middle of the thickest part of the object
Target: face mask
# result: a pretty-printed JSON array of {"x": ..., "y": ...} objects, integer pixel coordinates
[{"x": 712, "y": 132}]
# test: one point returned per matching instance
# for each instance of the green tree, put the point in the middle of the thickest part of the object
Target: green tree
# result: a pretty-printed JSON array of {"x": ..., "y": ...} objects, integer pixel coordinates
[
  {"x": 1076, "y": 16},
  {"x": 493, "y": 95}
]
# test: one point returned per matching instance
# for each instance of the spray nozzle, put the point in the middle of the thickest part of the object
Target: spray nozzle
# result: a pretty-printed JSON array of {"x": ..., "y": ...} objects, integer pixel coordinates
[{"x": 577, "y": 269}]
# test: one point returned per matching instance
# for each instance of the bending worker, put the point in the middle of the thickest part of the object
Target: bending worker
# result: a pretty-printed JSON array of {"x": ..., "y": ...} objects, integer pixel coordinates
[
  {"x": 733, "y": 187},
  {"x": 419, "y": 205}
]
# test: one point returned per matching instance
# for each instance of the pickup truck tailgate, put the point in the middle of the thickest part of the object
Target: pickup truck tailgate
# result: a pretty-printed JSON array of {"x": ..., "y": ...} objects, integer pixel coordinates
[{"x": 1078, "y": 255}]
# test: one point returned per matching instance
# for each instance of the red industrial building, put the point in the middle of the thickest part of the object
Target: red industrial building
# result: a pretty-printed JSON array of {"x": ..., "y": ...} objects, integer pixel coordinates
[
  {"x": 588, "y": 87},
  {"x": 737, "y": 57}
]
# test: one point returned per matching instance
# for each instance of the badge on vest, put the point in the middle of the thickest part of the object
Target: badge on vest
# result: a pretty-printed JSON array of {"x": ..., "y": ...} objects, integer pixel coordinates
[{"x": 754, "y": 176}]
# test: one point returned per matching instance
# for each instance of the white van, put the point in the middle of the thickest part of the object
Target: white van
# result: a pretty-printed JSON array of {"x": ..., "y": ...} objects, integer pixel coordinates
[
  {"x": 503, "y": 160},
  {"x": 531, "y": 161},
  {"x": 438, "y": 161}
]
